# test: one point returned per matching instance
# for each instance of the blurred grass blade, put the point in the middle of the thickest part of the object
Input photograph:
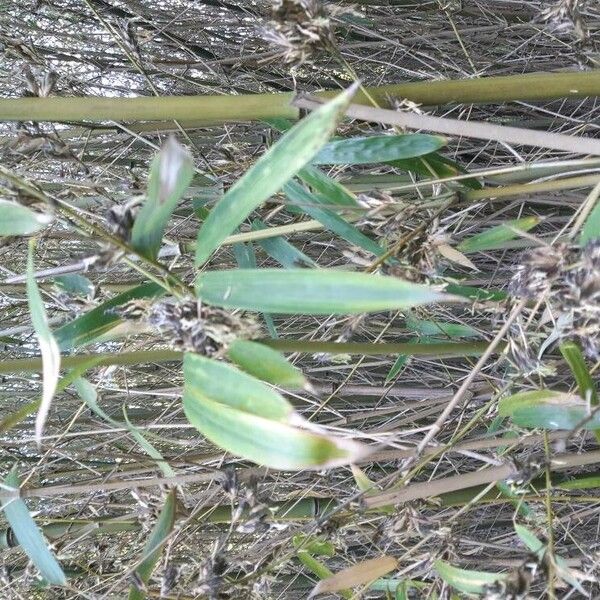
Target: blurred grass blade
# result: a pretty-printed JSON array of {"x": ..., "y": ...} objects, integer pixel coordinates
[
  {"x": 440, "y": 329},
  {"x": 48, "y": 347},
  {"x": 100, "y": 320},
  {"x": 310, "y": 291},
  {"x": 496, "y": 236},
  {"x": 591, "y": 227},
  {"x": 266, "y": 364},
  {"x": 286, "y": 254},
  {"x": 16, "y": 219},
  {"x": 170, "y": 175},
  {"x": 153, "y": 548},
  {"x": 9, "y": 421},
  {"x": 530, "y": 540},
  {"x": 585, "y": 383},
  {"x": 75, "y": 284},
  {"x": 245, "y": 417},
  {"x": 467, "y": 581},
  {"x": 359, "y": 574},
  {"x": 87, "y": 392},
  {"x": 547, "y": 409},
  {"x": 28, "y": 534},
  {"x": 246, "y": 259},
  {"x": 331, "y": 190},
  {"x": 282, "y": 161},
  {"x": 537, "y": 547},
  {"x": 308, "y": 203},
  {"x": 377, "y": 149},
  {"x": 438, "y": 166}
]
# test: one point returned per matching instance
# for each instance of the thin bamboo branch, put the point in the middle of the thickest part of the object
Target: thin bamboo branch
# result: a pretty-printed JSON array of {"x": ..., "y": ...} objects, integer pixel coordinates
[
  {"x": 443, "y": 349},
  {"x": 219, "y": 109}
]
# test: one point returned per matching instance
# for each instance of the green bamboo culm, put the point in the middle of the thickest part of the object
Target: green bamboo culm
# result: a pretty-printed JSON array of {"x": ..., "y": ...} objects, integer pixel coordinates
[{"x": 207, "y": 110}]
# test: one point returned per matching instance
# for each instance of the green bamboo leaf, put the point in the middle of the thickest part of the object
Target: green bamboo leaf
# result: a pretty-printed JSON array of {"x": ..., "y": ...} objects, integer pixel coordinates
[
  {"x": 438, "y": 328},
  {"x": 591, "y": 227},
  {"x": 9, "y": 421},
  {"x": 246, "y": 259},
  {"x": 170, "y": 175},
  {"x": 48, "y": 346},
  {"x": 497, "y": 236},
  {"x": 247, "y": 418},
  {"x": 547, "y": 409},
  {"x": 286, "y": 254},
  {"x": 330, "y": 190},
  {"x": 401, "y": 362},
  {"x": 509, "y": 404},
  {"x": 75, "y": 284},
  {"x": 87, "y": 392},
  {"x": 153, "y": 548},
  {"x": 100, "y": 320},
  {"x": 29, "y": 535},
  {"x": 475, "y": 293},
  {"x": 265, "y": 364},
  {"x": 308, "y": 203},
  {"x": 467, "y": 581},
  {"x": 282, "y": 161},
  {"x": 535, "y": 545},
  {"x": 437, "y": 164},
  {"x": 585, "y": 383},
  {"x": 16, "y": 219},
  {"x": 377, "y": 149},
  {"x": 224, "y": 383},
  {"x": 315, "y": 546},
  {"x": 310, "y": 291},
  {"x": 530, "y": 540}
]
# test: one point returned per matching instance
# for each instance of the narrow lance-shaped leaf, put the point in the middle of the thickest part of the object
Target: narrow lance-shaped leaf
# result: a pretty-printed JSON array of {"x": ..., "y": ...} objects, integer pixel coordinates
[
  {"x": 497, "y": 236},
  {"x": 309, "y": 203},
  {"x": 28, "y": 534},
  {"x": 16, "y": 219},
  {"x": 463, "y": 580},
  {"x": 283, "y": 160},
  {"x": 548, "y": 409},
  {"x": 585, "y": 382},
  {"x": 87, "y": 392},
  {"x": 48, "y": 347},
  {"x": 266, "y": 364},
  {"x": 245, "y": 417},
  {"x": 286, "y": 254},
  {"x": 103, "y": 318},
  {"x": 309, "y": 291},
  {"x": 377, "y": 149},
  {"x": 153, "y": 548},
  {"x": 170, "y": 175},
  {"x": 591, "y": 227}
]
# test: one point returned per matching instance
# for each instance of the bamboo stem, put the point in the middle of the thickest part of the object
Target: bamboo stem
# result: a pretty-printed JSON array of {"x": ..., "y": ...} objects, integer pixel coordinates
[
  {"x": 219, "y": 109},
  {"x": 34, "y": 364}
]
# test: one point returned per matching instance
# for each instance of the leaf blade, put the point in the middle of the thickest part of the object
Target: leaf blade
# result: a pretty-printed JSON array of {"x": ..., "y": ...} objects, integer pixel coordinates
[
  {"x": 281, "y": 162},
  {"x": 29, "y": 535},
  {"x": 170, "y": 175},
  {"x": 310, "y": 291},
  {"x": 266, "y": 364},
  {"x": 16, "y": 219},
  {"x": 377, "y": 149},
  {"x": 48, "y": 347}
]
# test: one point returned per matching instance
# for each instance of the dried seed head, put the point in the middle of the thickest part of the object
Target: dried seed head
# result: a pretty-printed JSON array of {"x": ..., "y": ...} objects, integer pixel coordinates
[
  {"x": 299, "y": 28},
  {"x": 120, "y": 218},
  {"x": 190, "y": 326},
  {"x": 567, "y": 279}
]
